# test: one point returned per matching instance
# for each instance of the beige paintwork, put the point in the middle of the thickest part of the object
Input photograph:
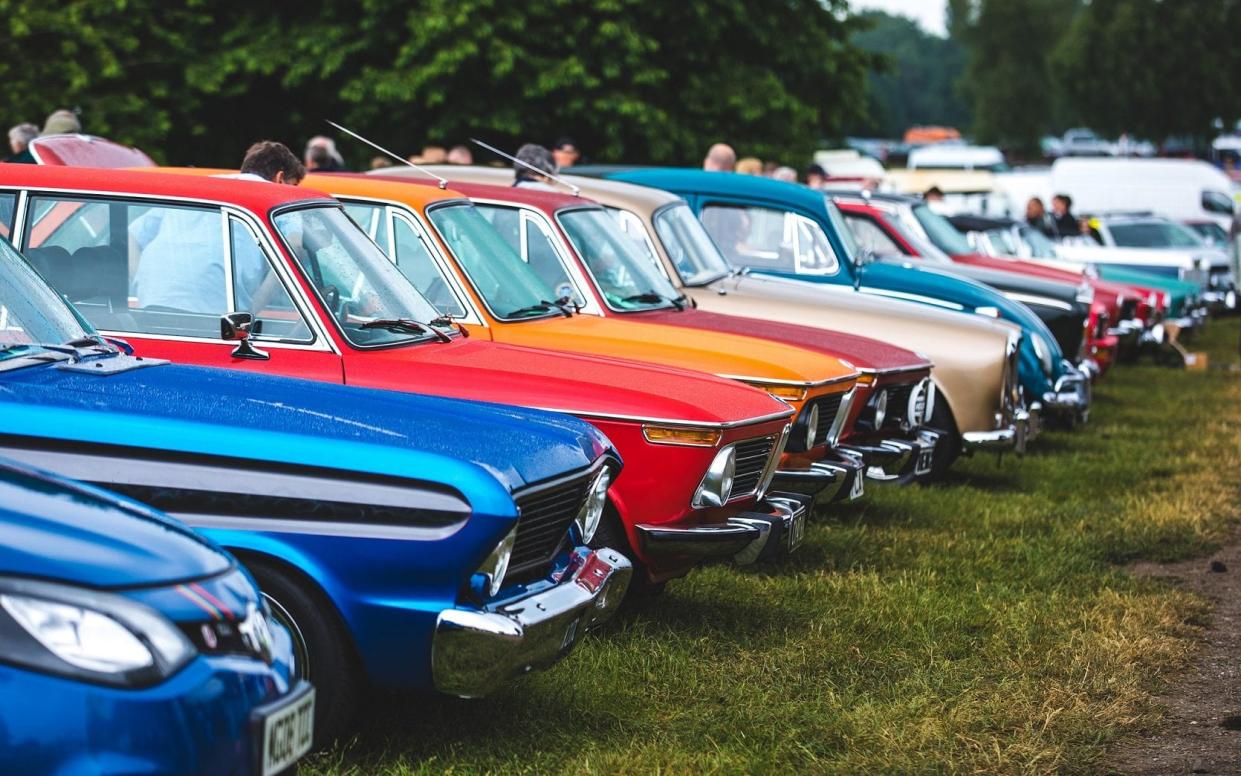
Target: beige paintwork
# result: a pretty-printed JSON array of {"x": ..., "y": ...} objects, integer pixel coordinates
[{"x": 968, "y": 350}]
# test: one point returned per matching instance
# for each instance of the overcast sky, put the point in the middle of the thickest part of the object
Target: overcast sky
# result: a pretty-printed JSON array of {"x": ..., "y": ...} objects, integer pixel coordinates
[{"x": 928, "y": 13}]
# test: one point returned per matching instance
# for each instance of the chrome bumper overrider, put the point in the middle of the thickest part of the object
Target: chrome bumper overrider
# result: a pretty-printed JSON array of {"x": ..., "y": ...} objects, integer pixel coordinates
[
  {"x": 914, "y": 458},
  {"x": 1070, "y": 396},
  {"x": 474, "y": 652},
  {"x": 1011, "y": 437},
  {"x": 837, "y": 479},
  {"x": 775, "y": 527}
]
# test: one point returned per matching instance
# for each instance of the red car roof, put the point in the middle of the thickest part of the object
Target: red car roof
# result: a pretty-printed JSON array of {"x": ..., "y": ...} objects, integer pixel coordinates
[
  {"x": 547, "y": 201},
  {"x": 254, "y": 195}
]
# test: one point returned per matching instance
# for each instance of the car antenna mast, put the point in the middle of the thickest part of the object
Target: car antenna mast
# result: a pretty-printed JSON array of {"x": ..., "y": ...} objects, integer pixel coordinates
[
  {"x": 442, "y": 181},
  {"x": 577, "y": 192}
]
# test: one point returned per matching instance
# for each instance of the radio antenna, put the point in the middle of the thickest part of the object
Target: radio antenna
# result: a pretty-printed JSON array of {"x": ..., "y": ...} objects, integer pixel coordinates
[
  {"x": 442, "y": 181},
  {"x": 577, "y": 192}
]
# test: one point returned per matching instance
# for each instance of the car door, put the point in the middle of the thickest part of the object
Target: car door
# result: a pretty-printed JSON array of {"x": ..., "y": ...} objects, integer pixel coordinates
[
  {"x": 161, "y": 274},
  {"x": 770, "y": 239}
]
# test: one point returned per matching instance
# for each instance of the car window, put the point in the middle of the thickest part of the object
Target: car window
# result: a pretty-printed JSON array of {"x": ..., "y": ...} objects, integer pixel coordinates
[
  {"x": 531, "y": 239},
  {"x": 8, "y": 203},
  {"x": 133, "y": 266},
  {"x": 624, "y": 276},
  {"x": 766, "y": 238},
  {"x": 632, "y": 227},
  {"x": 372, "y": 218},
  {"x": 697, "y": 258},
  {"x": 259, "y": 290},
  {"x": 940, "y": 231},
  {"x": 1153, "y": 234},
  {"x": 1217, "y": 202},
  {"x": 413, "y": 257},
  {"x": 871, "y": 237}
]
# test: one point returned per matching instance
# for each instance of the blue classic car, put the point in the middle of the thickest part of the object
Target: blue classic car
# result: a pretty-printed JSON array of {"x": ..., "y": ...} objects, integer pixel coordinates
[
  {"x": 787, "y": 229},
  {"x": 405, "y": 541},
  {"x": 117, "y": 626}
]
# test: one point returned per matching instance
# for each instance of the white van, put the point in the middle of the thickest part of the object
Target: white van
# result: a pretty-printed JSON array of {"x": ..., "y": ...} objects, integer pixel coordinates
[
  {"x": 951, "y": 156},
  {"x": 1180, "y": 189}
]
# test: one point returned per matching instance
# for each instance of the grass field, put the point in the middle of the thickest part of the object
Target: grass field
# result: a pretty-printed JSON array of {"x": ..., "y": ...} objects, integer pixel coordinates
[{"x": 984, "y": 625}]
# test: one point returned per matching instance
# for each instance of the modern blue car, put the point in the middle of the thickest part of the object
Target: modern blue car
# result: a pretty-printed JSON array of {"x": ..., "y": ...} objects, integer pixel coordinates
[
  {"x": 405, "y": 541},
  {"x": 770, "y": 226},
  {"x": 128, "y": 644}
]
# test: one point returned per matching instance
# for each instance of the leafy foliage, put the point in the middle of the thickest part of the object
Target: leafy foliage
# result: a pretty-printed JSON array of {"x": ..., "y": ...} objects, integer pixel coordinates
[
  {"x": 640, "y": 81},
  {"x": 916, "y": 83},
  {"x": 1151, "y": 67}
]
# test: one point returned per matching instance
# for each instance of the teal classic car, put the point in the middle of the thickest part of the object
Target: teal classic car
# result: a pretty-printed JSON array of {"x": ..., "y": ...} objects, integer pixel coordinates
[{"x": 791, "y": 230}]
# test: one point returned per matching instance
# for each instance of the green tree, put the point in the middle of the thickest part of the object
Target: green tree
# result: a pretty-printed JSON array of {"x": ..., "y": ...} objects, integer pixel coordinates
[
  {"x": 1152, "y": 68},
  {"x": 916, "y": 82},
  {"x": 1008, "y": 78}
]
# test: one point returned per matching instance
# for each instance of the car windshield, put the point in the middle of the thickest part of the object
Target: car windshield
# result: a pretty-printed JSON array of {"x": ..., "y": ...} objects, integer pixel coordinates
[
  {"x": 31, "y": 313},
  {"x": 509, "y": 287},
  {"x": 1153, "y": 234},
  {"x": 941, "y": 231},
  {"x": 693, "y": 252},
  {"x": 1037, "y": 244},
  {"x": 372, "y": 302},
  {"x": 852, "y": 249},
  {"x": 1210, "y": 232},
  {"x": 625, "y": 277}
]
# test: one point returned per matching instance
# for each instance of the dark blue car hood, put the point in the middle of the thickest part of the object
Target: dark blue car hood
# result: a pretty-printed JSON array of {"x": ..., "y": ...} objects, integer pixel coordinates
[
  {"x": 58, "y": 530},
  {"x": 199, "y": 410}
]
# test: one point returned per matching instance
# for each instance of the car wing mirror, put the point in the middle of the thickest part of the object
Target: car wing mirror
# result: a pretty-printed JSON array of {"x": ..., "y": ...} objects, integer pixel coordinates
[{"x": 239, "y": 327}]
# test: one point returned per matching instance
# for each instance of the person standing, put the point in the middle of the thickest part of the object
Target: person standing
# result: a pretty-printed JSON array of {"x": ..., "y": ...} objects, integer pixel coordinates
[
  {"x": 1037, "y": 218},
  {"x": 1063, "y": 219},
  {"x": 816, "y": 176},
  {"x": 460, "y": 154},
  {"x": 538, "y": 157},
  {"x": 19, "y": 142},
  {"x": 321, "y": 155},
  {"x": 565, "y": 153},
  {"x": 720, "y": 158},
  {"x": 62, "y": 122}
]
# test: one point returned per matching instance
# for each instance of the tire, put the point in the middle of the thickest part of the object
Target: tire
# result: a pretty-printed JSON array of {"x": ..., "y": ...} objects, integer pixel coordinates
[
  {"x": 321, "y": 646},
  {"x": 612, "y": 534},
  {"x": 949, "y": 446}
]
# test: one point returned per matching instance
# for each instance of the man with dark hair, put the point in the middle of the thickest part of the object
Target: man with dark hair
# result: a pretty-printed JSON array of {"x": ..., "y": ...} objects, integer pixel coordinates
[
  {"x": 538, "y": 157},
  {"x": 565, "y": 153},
  {"x": 933, "y": 194},
  {"x": 1062, "y": 216},
  {"x": 273, "y": 162},
  {"x": 816, "y": 176}
]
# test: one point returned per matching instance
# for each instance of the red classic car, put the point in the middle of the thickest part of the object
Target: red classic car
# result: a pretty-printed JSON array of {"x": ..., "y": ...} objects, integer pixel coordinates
[{"x": 252, "y": 275}]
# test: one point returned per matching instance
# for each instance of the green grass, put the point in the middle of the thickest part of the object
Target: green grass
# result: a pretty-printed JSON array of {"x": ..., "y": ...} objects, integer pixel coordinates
[{"x": 984, "y": 625}]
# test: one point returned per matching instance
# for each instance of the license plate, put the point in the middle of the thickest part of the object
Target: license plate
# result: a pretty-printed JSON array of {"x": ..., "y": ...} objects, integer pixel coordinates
[
  {"x": 288, "y": 734},
  {"x": 858, "y": 488},
  {"x": 797, "y": 531},
  {"x": 926, "y": 458}
]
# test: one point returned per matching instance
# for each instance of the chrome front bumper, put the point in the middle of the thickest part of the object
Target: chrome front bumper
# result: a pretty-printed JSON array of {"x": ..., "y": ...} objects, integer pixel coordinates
[
  {"x": 1070, "y": 397},
  {"x": 475, "y": 651},
  {"x": 906, "y": 460},
  {"x": 1012, "y": 437},
  {"x": 832, "y": 479},
  {"x": 774, "y": 528}
]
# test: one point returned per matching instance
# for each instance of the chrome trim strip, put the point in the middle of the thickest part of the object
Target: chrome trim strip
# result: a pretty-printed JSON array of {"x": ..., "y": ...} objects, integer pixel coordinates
[
  {"x": 342, "y": 530},
  {"x": 795, "y": 383},
  {"x": 671, "y": 421},
  {"x": 1045, "y": 301},
  {"x": 912, "y": 297}
]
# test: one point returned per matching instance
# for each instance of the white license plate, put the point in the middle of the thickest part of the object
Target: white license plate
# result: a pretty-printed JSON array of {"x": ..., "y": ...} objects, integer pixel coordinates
[
  {"x": 288, "y": 734},
  {"x": 926, "y": 458},
  {"x": 797, "y": 531},
  {"x": 858, "y": 488}
]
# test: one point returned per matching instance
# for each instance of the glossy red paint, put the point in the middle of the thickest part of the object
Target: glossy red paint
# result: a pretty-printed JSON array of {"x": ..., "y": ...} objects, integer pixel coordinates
[{"x": 619, "y": 397}]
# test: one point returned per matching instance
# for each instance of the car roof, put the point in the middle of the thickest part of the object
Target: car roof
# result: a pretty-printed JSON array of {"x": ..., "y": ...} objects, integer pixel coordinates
[
  {"x": 384, "y": 187},
  {"x": 722, "y": 184},
  {"x": 254, "y": 195},
  {"x": 548, "y": 201}
]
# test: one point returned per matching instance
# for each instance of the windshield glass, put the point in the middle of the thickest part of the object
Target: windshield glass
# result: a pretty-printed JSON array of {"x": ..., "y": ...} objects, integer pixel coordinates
[
  {"x": 852, "y": 249},
  {"x": 941, "y": 231},
  {"x": 511, "y": 289},
  {"x": 625, "y": 277},
  {"x": 1210, "y": 232},
  {"x": 353, "y": 278},
  {"x": 1154, "y": 234},
  {"x": 1037, "y": 244},
  {"x": 693, "y": 253},
  {"x": 30, "y": 312}
]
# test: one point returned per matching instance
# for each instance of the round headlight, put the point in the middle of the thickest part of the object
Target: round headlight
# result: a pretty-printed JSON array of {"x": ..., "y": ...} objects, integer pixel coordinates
[
  {"x": 717, "y": 483},
  {"x": 592, "y": 508},
  {"x": 812, "y": 425},
  {"x": 881, "y": 409},
  {"x": 1043, "y": 352},
  {"x": 496, "y": 565}
]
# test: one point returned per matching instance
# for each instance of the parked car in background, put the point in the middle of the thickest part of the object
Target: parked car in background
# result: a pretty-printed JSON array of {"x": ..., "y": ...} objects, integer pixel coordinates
[
  {"x": 1084, "y": 142},
  {"x": 332, "y": 307},
  {"x": 795, "y": 232},
  {"x": 405, "y": 542},
  {"x": 120, "y": 626},
  {"x": 956, "y": 156},
  {"x": 977, "y": 403},
  {"x": 1180, "y": 189}
]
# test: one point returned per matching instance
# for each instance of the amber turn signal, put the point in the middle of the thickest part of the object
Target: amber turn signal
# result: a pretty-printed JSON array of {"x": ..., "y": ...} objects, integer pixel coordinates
[{"x": 682, "y": 435}]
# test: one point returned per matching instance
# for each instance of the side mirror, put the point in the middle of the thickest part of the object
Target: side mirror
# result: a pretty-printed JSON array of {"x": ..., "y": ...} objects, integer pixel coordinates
[
  {"x": 861, "y": 258},
  {"x": 238, "y": 327}
]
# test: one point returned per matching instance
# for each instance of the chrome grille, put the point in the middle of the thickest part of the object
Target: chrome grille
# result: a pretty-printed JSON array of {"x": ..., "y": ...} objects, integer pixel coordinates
[
  {"x": 898, "y": 404},
  {"x": 828, "y": 407},
  {"x": 752, "y": 458},
  {"x": 543, "y": 523}
]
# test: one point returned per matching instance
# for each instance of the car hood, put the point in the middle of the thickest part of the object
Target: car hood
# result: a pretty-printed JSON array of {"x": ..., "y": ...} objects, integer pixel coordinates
[
  {"x": 250, "y": 416},
  {"x": 587, "y": 386},
  {"x": 58, "y": 530},
  {"x": 1011, "y": 281},
  {"x": 751, "y": 358},
  {"x": 869, "y": 355}
]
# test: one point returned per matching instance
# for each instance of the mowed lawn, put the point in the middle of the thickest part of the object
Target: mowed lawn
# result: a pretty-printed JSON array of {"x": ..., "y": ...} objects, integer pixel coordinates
[{"x": 984, "y": 625}]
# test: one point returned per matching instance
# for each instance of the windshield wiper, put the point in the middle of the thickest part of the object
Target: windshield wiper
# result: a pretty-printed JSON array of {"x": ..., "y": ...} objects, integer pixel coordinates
[
  {"x": 448, "y": 320},
  {"x": 650, "y": 297},
  {"x": 406, "y": 325},
  {"x": 544, "y": 306}
]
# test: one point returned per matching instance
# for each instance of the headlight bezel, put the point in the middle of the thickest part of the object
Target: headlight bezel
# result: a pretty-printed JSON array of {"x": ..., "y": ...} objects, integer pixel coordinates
[
  {"x": 495, "y": 567},
  {"x": 590, "y": 514},
  {"x": 715, "y": 488},
  {"x": 31, "y": 645}
]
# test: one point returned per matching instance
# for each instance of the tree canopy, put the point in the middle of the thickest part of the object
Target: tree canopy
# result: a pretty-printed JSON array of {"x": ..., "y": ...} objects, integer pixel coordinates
[{"x": 196, "y": 82}]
